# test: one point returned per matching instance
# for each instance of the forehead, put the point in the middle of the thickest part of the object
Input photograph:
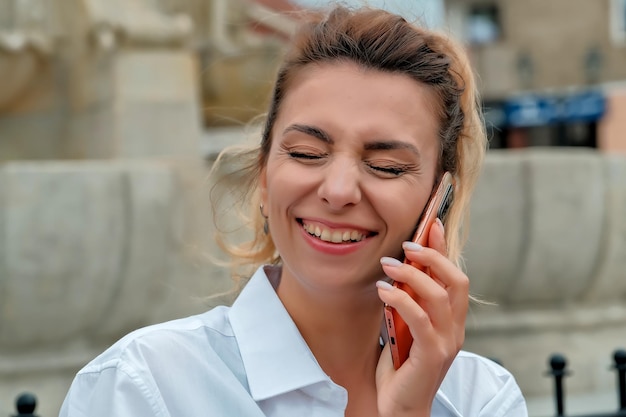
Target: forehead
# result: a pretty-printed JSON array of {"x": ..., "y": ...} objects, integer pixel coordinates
[
  {"x": 349, "y": 98},
  {"x": 344, "y": 70}
]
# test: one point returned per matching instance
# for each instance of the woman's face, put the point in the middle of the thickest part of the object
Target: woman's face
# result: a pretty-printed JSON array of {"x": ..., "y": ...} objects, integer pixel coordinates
[{"x": 351, "y": 166}]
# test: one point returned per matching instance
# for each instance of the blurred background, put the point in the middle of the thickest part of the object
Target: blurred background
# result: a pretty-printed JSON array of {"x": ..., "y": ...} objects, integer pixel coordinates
[{"x": 113, "y": 111}]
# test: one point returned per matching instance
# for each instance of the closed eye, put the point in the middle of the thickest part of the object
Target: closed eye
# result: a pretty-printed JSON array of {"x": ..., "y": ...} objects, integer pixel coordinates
[
  {"x": 308, "y": 156},
  {"x": 389, "y": 170}
]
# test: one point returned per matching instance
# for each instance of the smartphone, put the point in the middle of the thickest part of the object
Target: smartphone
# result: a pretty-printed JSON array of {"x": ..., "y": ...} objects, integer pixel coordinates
[{"x": 398, "y": 334}]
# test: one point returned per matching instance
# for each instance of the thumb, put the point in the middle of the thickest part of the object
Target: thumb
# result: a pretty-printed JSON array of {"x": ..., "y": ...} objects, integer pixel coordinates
[{"x": 385, "y": 363}]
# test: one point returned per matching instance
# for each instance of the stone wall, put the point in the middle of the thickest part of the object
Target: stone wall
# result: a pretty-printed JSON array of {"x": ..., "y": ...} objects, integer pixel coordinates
[
  {"x": 89, "y": 251},
  {"x": 547, "y": 245}
]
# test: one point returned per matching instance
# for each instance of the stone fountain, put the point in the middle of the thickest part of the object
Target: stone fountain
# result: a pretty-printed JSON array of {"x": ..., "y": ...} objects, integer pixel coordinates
[
  {"x": 548, "y": 247},
  {"x": 100, "y": 183}
]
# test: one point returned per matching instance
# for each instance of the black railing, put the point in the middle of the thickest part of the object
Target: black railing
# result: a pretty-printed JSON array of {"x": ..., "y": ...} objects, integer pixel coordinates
[
  {"x": 25, "y": 405},
  {"x": 558, "y": 370}
]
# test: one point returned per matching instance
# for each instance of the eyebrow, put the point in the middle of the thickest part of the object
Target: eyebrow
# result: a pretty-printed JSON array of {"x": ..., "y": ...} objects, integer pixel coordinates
[
  {"x": 384, "y": 145},
  {"x": 311, "y": 131}
]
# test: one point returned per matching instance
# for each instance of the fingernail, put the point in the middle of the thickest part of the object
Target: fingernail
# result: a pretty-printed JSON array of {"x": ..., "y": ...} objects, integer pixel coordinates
[
  {"x": 384, "y": 285},
  {"x": 385, "y": 260},
  {"x": 440, "y": 223},
  {"x": 412, "y": 246}
]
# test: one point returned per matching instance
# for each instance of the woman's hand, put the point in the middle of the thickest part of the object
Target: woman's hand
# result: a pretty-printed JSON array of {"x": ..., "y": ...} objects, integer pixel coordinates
[{"x": 437, "y": 323}]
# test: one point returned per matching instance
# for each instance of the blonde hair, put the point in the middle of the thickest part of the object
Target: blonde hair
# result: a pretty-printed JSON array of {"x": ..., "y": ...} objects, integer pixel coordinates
[{"x": 379, "y": 40}]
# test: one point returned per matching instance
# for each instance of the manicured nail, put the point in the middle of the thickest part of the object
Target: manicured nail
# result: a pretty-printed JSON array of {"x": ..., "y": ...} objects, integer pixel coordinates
[
  {"x": 384, "y": 285},
  {"x": 440, "y": 223},
  {"x": 412, "y": 246},
  {"x": 385, "y": 260}
]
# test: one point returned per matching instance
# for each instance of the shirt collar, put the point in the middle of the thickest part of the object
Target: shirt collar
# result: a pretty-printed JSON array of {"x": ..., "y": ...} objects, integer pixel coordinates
[{"x": 274, "y": 354}]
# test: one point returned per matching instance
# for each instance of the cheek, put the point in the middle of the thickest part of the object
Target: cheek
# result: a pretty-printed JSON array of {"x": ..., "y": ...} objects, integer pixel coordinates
[
  {"x": 403, "y": 213},
  {"x": 287, "y": 182},
  {"x": 410, "y": 224}
]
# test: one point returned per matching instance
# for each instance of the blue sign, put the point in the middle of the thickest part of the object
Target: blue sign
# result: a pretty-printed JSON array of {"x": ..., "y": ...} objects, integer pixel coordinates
[
  {"x": 536, "y": 110},
  {"x": 531, "y": 110},
  {"x": 587, "y": 106}
]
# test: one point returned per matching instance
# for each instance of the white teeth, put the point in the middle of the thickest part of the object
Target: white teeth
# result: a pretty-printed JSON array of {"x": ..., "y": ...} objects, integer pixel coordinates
[{"x": 334, "y": 236}]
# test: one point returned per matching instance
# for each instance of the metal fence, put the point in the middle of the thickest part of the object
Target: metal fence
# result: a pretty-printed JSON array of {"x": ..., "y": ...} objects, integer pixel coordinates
[
  {"x": 25, "y": 405},
  {"x": 558, "y": 370}
]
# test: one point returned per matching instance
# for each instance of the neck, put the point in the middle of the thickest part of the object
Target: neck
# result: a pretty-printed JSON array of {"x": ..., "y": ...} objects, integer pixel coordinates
[{"x": 342, "y": 330}]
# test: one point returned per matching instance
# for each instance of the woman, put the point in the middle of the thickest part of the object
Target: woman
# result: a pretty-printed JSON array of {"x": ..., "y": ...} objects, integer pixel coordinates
[{"x": 368, "y": 112}]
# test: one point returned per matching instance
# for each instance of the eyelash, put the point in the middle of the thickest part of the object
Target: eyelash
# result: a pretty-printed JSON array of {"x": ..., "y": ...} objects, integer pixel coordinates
[
  {"x": 306, "y": 156},
  {"x": 394, "y": 171}
]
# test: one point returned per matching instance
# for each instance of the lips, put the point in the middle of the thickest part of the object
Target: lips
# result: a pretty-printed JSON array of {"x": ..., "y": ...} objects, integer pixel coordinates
[{"x": 334, "y": 235}]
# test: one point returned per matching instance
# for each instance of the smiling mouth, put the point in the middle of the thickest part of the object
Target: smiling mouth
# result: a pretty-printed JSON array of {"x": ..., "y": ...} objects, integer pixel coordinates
[{"x": 334, "y": 235}]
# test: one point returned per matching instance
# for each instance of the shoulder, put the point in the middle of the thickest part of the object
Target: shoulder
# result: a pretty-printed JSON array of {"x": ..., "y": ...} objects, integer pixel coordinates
[
  {"x": 165, "y": 366},
  {"x": 478, "y": 386},
  {"x": 468, "y": 364},
  {"x": 195, "y": 333}
]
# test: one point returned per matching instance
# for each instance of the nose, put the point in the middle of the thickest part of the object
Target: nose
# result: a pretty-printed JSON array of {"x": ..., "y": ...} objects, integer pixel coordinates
[{"x": 340, "y": 186}]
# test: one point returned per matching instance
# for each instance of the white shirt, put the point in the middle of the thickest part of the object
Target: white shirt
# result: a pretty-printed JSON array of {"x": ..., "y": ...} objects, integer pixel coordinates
[{"x": 250, "y": 360}]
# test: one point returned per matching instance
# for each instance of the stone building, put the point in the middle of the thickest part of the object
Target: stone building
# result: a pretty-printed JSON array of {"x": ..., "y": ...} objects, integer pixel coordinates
[{"x": 550, "y": 72}]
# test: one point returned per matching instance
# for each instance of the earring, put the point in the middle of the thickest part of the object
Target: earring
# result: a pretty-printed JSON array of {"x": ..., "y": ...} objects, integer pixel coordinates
[{"x": 266, "y": 226}]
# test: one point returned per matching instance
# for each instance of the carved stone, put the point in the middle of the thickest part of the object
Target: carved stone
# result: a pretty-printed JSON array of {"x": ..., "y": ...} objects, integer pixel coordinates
[{"x": 97, "y": 79}]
